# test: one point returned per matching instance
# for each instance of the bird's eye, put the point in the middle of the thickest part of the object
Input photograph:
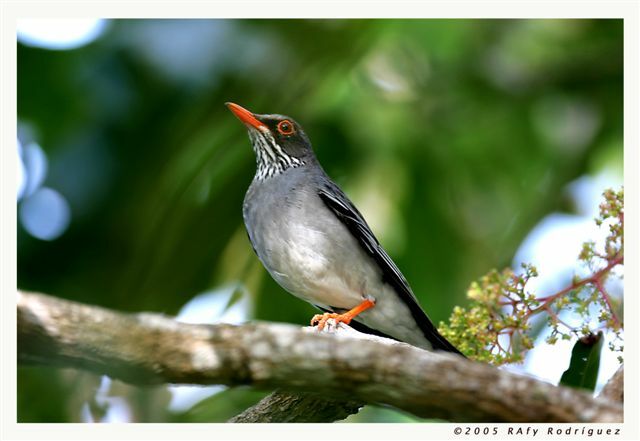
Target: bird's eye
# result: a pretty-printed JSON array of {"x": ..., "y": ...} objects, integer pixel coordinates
[{"x": 285, "y": 127}]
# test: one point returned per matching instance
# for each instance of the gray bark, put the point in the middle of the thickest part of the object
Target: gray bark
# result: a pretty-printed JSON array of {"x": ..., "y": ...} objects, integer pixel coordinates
[
  {"x": 148, "y": 349},
  {"x": 301, "y": 407},
  {"x": 614, "y": 389}
]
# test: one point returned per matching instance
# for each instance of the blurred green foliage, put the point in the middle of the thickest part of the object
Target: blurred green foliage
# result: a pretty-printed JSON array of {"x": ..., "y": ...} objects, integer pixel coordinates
[{"x": 453, "y": 137}]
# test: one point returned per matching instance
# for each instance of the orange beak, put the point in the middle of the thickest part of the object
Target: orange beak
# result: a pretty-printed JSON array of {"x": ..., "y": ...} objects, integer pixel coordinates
[{"x": 245, "y": 116}]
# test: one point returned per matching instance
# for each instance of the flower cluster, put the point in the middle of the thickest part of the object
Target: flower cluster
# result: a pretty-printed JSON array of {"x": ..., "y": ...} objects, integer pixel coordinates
[{"x": 497, "y": 325}]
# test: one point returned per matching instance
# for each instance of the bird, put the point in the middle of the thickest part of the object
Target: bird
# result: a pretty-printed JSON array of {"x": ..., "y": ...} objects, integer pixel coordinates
[{"x": 315, "y": 243}]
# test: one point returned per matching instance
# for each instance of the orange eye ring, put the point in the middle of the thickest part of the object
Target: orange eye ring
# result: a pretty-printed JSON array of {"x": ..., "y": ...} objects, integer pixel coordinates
[{"x": 286, "y": 127}]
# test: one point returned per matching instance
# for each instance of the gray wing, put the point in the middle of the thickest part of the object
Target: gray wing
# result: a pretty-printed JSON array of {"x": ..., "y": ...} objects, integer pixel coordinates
[{"x": 349, "y": 215}]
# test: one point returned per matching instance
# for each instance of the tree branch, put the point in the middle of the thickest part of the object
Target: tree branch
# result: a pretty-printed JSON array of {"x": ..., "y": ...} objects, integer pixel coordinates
[
  {"x": 152, "y": 349},
  {"x": 614, "y": 389},
  {"x": 301, "y": 407}
]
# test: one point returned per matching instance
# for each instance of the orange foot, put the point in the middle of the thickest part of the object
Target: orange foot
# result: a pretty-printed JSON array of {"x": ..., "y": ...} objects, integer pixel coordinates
[{"x": 321, "y": 319}]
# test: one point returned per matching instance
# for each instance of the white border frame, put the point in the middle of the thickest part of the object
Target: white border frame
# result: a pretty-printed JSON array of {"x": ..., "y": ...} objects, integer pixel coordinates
[{"x": 12, "y": 10}]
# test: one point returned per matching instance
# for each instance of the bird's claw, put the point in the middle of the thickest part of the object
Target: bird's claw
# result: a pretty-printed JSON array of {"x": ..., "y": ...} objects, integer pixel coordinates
[{"x": 321, "y": 319}]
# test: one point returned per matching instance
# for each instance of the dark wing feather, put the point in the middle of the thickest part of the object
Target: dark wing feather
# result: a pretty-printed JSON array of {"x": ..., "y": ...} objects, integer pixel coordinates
[{"x": 349, "y": 215}]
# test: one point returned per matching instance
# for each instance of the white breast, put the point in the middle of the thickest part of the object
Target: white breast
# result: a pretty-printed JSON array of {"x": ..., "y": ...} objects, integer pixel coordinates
[{"x": 313, "y": 260}]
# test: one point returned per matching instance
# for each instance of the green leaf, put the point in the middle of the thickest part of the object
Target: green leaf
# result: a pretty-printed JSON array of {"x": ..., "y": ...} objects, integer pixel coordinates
[{"x": 585, "y": 363}]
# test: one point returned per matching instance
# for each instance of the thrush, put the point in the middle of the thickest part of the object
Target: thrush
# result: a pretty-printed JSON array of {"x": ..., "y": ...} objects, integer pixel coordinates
[{"x": 315, "y": 243}]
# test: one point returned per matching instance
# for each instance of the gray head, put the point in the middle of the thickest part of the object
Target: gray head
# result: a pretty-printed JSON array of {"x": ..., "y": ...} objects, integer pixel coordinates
[{"x": 278, "y": 141}]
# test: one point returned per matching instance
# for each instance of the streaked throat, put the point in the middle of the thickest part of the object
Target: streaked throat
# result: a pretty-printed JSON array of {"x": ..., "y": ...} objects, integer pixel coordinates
[{"x": 271, "y": 159}]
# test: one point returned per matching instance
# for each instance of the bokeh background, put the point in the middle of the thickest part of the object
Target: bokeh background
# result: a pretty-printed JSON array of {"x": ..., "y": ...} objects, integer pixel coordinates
[{"x": 467, "y": 144}]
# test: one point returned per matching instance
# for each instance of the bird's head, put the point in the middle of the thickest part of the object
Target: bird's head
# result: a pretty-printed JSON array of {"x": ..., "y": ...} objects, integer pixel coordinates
[{"x": 278, "y": 141}]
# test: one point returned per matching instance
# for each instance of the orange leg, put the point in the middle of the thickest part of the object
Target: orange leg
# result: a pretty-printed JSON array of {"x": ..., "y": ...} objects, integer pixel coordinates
[{"x": 321, "y": 319}]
